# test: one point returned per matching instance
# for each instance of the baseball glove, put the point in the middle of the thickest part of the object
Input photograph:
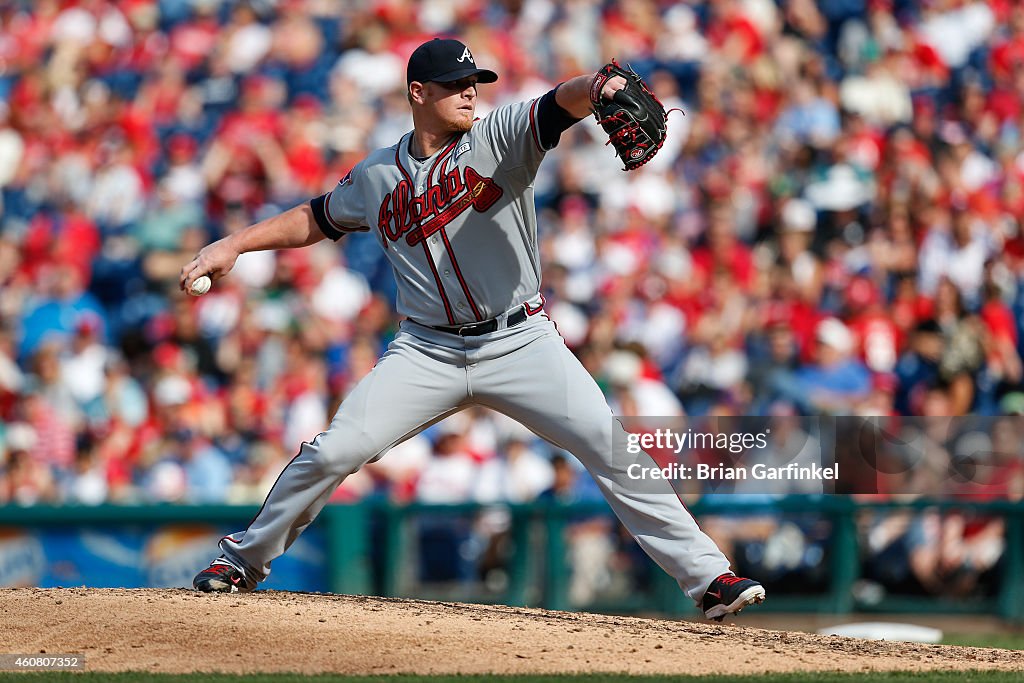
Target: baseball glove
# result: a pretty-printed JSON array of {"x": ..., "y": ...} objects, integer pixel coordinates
[{"x": 634, "y": 119}]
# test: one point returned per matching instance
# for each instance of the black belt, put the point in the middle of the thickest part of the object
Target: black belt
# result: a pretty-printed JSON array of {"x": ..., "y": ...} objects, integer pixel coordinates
[{"x": 516, "y": 317}]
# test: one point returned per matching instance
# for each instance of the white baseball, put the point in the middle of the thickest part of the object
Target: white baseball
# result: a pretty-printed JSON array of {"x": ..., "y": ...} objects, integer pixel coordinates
[{"x": 200, "y": 286}]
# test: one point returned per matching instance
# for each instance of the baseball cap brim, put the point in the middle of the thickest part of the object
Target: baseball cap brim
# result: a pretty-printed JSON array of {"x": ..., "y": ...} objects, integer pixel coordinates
[{"x": 485, "y": 75}]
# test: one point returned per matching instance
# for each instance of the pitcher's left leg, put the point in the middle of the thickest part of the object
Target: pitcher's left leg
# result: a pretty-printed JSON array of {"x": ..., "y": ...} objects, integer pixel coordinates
[{"x": 546, "y": 388}]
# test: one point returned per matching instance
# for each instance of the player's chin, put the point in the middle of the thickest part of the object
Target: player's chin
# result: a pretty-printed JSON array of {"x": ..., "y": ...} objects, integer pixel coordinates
[{"x": 461, "y": 123}]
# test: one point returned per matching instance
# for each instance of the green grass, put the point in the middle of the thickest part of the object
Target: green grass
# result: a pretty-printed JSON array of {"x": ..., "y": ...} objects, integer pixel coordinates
[
  {"x": 1006, "y": 641},
  {"x": 885, "y": 677}
]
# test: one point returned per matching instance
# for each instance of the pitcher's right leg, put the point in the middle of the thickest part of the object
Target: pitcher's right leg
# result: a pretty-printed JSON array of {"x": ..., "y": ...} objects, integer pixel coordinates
[
  {"x": 412, "y": 386},
  {"x": 542, "y": 385}
]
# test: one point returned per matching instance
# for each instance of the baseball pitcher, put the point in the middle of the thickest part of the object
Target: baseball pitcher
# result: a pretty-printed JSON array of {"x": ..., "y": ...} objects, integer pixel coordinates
[{"x": 451, "y": 204}]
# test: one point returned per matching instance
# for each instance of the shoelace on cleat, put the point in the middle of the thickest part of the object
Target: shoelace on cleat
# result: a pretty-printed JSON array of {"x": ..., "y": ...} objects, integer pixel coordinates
[
  {"x": 729, "y": 580},
  {"x": 219, "y": 569}
]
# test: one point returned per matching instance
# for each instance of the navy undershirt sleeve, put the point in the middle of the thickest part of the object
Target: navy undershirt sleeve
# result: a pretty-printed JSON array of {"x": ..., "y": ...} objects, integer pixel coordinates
[
  {"x": 552, "y": 119},
  {"x": 319, "y": 206}
]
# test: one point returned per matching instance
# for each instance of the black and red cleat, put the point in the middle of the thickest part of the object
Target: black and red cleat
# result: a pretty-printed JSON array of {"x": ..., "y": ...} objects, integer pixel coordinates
[
  {"x": 729, "y": 594},
  {"x": 221, "y": 577}
]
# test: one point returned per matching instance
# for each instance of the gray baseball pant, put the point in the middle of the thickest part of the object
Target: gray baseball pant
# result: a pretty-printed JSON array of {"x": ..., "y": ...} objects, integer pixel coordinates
[{"x": 525, "y": 372}]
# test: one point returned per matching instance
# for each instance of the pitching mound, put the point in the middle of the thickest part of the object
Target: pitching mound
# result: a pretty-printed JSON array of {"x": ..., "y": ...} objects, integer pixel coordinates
[{"x": 180, "y": 631}]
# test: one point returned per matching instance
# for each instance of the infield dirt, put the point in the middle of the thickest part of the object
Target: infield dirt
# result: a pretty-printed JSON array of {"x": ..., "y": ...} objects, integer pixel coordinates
[{"x": 181, "y": 631}]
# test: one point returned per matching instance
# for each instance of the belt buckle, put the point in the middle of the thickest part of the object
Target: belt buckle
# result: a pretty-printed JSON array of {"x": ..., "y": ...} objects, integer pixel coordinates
[{"x": 463, "y": 328}]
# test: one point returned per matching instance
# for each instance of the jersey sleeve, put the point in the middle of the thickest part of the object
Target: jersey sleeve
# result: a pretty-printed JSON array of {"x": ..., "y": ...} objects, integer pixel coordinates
[
  {"x": 343, "y": 209},
  {"x": 512, "y": 133}
]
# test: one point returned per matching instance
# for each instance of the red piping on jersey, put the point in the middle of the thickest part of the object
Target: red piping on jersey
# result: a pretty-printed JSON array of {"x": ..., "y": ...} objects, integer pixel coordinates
[
  {"x": 398, "y": 162},
  {"x": 448, "y": 245},
  {"x": 533, "y": 125},
  {"x": 458, "y": 274},
  {"x": 443, "y": 154},
  {"x": 426, "y": 249},
  {"x": 440, "y": 286}
]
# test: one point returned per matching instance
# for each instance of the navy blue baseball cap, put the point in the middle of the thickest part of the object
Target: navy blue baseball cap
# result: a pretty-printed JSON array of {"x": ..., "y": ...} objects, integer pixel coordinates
[{"x": 444, "y": 60}]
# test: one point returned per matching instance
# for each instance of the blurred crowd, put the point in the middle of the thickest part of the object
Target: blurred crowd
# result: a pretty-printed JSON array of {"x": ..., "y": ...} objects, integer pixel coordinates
[{"x": 834, "y": 227}]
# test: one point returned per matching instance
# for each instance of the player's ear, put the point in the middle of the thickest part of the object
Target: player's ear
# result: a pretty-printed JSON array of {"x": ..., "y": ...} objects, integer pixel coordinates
[{"x": 416, "y": 92}]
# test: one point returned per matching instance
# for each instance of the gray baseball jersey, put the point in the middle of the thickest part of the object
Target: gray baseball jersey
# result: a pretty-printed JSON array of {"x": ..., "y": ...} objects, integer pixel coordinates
[{"x": 460, "y": 230}]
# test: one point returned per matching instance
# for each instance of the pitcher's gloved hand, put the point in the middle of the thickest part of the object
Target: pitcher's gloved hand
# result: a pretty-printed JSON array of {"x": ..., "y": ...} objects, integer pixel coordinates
[{"x": 634, "y": 118}]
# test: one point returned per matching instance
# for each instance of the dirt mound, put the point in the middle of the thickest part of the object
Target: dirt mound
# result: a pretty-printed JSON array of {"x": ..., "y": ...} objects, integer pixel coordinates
[{"x": 181, "y": 631}]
